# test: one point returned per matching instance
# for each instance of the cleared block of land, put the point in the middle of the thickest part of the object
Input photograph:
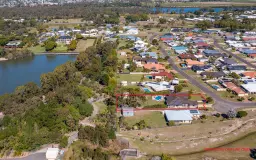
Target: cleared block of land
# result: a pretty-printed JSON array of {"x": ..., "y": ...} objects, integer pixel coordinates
[
  {"x": 82, "y": 45},
  {"x": 129, "y": 77}
]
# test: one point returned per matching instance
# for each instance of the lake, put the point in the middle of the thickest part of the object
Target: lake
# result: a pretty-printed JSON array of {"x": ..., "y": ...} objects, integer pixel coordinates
[
  {"x": 14, "y": 73},
  {"x": 193, "y": 9}
]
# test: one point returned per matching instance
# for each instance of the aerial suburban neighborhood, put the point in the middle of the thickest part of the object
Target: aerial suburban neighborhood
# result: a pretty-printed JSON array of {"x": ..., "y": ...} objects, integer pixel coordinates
[{"x": 171, "y": 80}]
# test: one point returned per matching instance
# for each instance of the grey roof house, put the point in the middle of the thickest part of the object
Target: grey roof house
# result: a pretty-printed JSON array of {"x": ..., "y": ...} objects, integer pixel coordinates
[
  {"x": 180, "y": 102},
  {"x": 213, "y": 75}
]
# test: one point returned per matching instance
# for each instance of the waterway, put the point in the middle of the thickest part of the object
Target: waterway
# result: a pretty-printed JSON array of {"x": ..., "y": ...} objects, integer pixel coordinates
[
  {"x": 14, "y": 73},
  {"x": 193, "y": 9}
]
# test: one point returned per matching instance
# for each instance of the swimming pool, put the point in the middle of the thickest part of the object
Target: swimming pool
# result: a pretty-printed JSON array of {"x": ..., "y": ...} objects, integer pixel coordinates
[
  {"x": 158, "y": 98},
  {"x": 146, "y": 90}
]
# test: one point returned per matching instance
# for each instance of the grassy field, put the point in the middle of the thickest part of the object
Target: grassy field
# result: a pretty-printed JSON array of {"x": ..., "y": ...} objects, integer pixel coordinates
[
  {"x": 246, "y": 142},
  {"x": 83, "y": 44},
  {"x": 60, "y": 48},
  {"x": 152, "y": 118},
  {"x": 37, "y": 49},
  {"x": 129, "y": 77}
]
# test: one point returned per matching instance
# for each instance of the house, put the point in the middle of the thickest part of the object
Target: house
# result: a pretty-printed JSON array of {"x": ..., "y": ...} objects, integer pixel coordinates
[
  {"x": 13, "y": 44},
  {"x": 180, "y": 102},
  {"x": 132, "y": 31},
  {"x": 123, "y": 54},
  {"x": 159, "y": 86},
  {"x": 123, "y": 83},
  {"x": 149, "y": 54},
  {"x": 138, "y": 61},
  {"x": 213, "y": 75},
  {"x": 167, "y": 37},
  {"x": 237, "y": 69},
  {"x": 64, "y": 39},
  {"x": 228, "y": 61},
  {"x": 248, "y": 52},
  {"x": 190, "y": 63},
  {"x": 199, "y": 69},
  {"x": 149, "y": 60},
  {"x": 180, "y": 49},
  {"x": 249, "y": 88},
  {"x": 162, "y": 75},
  {"x": 250, "y": 74},
  {"x": 140, "y": 45},
  {"x": 181, "y": 116},
  {"x": 154, "y": 67},
  {"x": 127, "y": 111},
  {"x": 175, "y": 81},
  {"x": 201, "y": 45},
  {"x": 212, "y": 53},
  {"x": 235, "y": 89},
  {"x": 53, "y": 153},
  {"x": 187, "y": 56}
]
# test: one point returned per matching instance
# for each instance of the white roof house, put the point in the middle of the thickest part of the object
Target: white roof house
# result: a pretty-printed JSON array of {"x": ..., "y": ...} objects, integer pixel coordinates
[
  {"x": 250, "y": 88},
  {"x": 181, "y": 116},
  {"x": 159, "y": 86},
  {"x": 52, "y": 153}
]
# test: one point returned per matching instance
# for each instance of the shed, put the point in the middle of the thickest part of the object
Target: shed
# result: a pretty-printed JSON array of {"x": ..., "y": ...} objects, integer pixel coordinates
[{"x": 127, "y": 111}]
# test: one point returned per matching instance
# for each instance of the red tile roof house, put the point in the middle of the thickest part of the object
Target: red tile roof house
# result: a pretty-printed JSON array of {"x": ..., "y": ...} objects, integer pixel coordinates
[
  {"x": 201, "y": 45},
  {"x": 251, "y": 74},
  {"x": 252, "y": 56},
  {"x": 190, "y": 63},
  {"x": 187, "y": 56},
  {"x": 249, "y": 38},
  {"x": 235, "y": 89},
  {"x": 162, "y": 75},
  {"x": 154, "y": 67}
]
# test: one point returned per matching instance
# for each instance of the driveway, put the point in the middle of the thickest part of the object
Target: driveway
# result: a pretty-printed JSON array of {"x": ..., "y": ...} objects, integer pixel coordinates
[{"x": 36, "y": 156}]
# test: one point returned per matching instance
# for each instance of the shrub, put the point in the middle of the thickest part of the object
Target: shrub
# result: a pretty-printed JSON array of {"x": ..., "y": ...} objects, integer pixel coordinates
[
  {"x": 241, "y": 114},
  {"x": 231, "y": 113},
  {"x": 203, "y": 116},
  {"x": 64, "y": 142},
  {"x": 217, "y": 115},
  {"x": 171, "y": 123}
]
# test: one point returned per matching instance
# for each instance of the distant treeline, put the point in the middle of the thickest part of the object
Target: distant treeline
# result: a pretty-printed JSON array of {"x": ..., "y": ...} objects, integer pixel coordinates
[{"x": 89, "y": 11}]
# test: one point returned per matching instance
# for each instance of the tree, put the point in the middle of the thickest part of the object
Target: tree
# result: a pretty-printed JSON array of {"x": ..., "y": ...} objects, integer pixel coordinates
[
  {"x": 64, "y": 142},
  {"x": 231, "y": 113},
  {"x": 162, "y": 20},
  {"x": 72, "y": 45},
  {"x": 50, "y": 45},
  {"x": 154, "y": 42},
  {"x": 241, "y": 114},
  {"x": 167, "y": 157},
  {"x": 178, "y": 88},
  {"x": 235, "y": 75},
  {"x": 209, "y": 99},
  {"x": 171, "y": 123},
  {"x": 79, "y": 36}
]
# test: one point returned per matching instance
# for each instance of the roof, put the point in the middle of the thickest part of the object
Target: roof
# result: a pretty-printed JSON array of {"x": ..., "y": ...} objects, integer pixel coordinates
[
  {"x": 192, "y": 62},
  {"x": 251, "y": 74},
  {"x": 65, "y": 37},
  {"x": 179, "y": 48},
  {"x": 228, "y": 61},
  {"x": 211, "y": 52},
  {"x": 181, "y": 115},
  {"x": 150, "y": 54},
  {"x": 150, "y": 60},
  {"x": 249, "y": 51},
  {"x": 200, "y": 68},
  {"x": 179, "y": 101},
  {"x": 238, "y": 90},
  {"x": 153, "y": 66},
  {"x": 187, "y": 56},
  {"x": 238, "y": 67},
  {"x": 230, "y": 85},
  {"x": 249, "y": 87},
  {"x": 52, "y": 153},
  {"x": 166, "y": 74}
]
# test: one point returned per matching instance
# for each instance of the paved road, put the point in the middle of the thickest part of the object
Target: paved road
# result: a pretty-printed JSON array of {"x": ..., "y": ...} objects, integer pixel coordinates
[
  {"x": 220, "y": 105},
  {"x": 216, "y": 44}
]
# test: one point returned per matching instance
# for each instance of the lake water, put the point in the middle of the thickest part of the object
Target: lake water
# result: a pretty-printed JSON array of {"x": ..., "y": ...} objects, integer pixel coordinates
[
  {"x": 14, "y": 73},
  {"x": 193, "y": 9}
]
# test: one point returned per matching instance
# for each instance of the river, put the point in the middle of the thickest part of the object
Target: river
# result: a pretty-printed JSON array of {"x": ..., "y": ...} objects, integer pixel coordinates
[{"x": 14, "y": 73}]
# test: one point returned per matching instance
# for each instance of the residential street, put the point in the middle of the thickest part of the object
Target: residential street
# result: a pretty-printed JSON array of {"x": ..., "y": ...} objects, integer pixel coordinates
[
  {"x": 216, "y": 44},
  {"x": 220, "y": 105}
]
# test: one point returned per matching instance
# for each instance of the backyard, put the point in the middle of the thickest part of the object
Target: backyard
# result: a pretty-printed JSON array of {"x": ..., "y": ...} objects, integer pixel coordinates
[{"x": 82, "y": 45}]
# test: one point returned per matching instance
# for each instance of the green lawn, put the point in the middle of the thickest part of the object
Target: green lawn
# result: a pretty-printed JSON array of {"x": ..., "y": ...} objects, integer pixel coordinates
[
  {"x": 122, "y": 43},
  {"x": 37, "y": 49},
  {"x": 60, "y": 48},
  {"x": 152, "y": 118},
  {"x": 129, "y": 77}
]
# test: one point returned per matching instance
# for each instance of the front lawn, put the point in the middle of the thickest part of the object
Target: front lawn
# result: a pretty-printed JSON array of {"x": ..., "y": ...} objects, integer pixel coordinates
[{"x": 153, "y": 119}]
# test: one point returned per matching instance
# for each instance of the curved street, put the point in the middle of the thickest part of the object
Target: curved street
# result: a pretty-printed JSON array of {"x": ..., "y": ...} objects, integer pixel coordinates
[{"x": 221, "y": 105}]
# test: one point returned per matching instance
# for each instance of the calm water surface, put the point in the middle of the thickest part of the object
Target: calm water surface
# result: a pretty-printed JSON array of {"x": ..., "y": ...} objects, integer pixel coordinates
[{"x": 14, "y": 73}]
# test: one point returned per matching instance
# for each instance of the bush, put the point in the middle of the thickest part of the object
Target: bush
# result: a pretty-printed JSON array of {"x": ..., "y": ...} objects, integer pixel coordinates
[
  {"x": 217, "y": 115},
  {"x": 171, "y": 123},
  {"x": 209, "y": 99},
  {"x": 156, "y": 106},
  {"x": 64, "y": 142},
  {"x": 241, "y": 114},
  {"x": 203, "y": 116}
]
